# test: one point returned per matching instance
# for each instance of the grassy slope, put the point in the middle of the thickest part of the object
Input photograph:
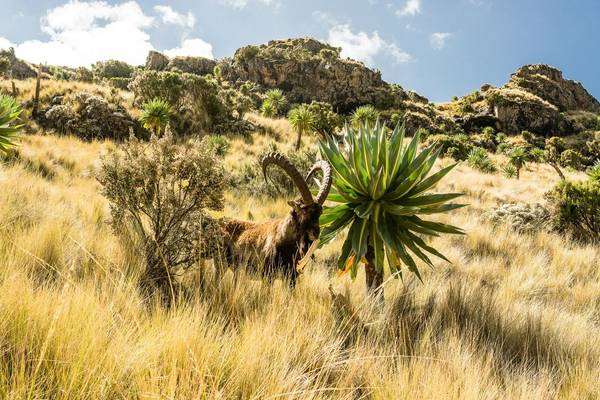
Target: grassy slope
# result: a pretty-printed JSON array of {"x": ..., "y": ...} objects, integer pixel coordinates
[{"x": 515, "y": 316}]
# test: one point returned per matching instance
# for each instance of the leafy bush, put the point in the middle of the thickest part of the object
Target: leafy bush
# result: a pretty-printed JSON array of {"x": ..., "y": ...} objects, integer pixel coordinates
[
  {"x": 576, "y": 209},
  {"x": 594, "y": 172},
  {"x": 89, "y": 117},
  {"x": 112, "y": 69},
  {"x": 509, "y": 171},
  {"x": 267, "y": 109},
  {"x": 217, "y": 144},
  {"x": 520, "y": 217},
  {"x": 479, "y": 159},
  {"x": 198, "y": 102},
  {"x": 326, "y": 121},
  {"x": 4, "y": 66},
  {"x": 277, "y": 100},
  {"x": 119, "y": 83},
  {"x": 84, "y": 74},
  {"x": 159, "y": 193},
  {"x": 9, "y": 127},
  {"x": 572, "y": 159},
  {"x": 456, "y": 146}
]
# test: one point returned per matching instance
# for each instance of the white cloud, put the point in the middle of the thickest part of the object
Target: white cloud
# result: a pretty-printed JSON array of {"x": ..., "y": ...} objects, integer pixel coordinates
[
  {"x": 192, "y": 47},
  {"x": 411, "y": 7},
  {"x": 81, "y": 33},
  {"x": 437, "y": 40},
  {"x": 241, "y": 4},
  {"x": 5, "y": 43},
  {"x": 170, "y": 16},
  {"x": 364, "y": 47}
]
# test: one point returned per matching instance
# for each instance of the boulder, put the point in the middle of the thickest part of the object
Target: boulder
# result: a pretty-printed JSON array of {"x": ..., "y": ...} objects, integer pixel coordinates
[{"x": 156, "y": 61}]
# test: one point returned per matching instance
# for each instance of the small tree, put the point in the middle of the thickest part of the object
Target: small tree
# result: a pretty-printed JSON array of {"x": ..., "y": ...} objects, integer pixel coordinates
[
  {"x": 383, "y": 188},
  {"x": 9, "y": 113},
  {"x": 156, "y": 115},
  {"x": 518, "y": 158},
  {"x": 303, "y": 120},
  {"x": 277, "y": 100},
  {"x": 4, "y": 66},
  {"x": 364, "y": 115},
  {"x": 552, "y": 151},
  {"x": 267, "y": 109},
  {"x": 159, "y": 193}
]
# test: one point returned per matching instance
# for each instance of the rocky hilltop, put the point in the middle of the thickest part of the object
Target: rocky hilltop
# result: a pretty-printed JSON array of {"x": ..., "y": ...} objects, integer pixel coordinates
[{"x": 536, "y": 98}]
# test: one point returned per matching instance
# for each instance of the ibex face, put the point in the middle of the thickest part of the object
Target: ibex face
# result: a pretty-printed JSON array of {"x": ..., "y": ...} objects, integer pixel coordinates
[{"x": 307, "y": 218}]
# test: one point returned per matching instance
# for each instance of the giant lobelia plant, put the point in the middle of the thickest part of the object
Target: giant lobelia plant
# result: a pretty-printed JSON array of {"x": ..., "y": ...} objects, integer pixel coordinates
[
  {"x": 9, "y": 128},
  {"x": 383, "y": 190}
]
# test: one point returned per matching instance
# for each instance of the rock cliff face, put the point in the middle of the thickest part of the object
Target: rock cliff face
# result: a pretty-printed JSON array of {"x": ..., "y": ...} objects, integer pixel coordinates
[
  {"x": 537, "y": 98},
  {"x": 548, "y": 84},
  {"x": 307, "y": 70}
]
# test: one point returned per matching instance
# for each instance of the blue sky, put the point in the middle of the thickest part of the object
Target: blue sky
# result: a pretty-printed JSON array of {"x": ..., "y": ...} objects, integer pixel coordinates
[{"x": 438, "y": 48}]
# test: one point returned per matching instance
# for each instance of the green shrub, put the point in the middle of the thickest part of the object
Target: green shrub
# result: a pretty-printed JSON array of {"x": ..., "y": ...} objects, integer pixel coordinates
[
  {"x": 576, "y": 209},
  {"x": 119, "y": 83},
  {"x": 90, "y": 117},
  {"x": 593, "y": 172},
  {"x": 159, "y": 193},
  {"x": 509, "y": 171},
  {"x": 245, "y": 54},
  {"x": 112, "y": 69},
  {"x": 572, "y": 159},
  {"x": 277, "y": 100},
  {"x": 267, "y": 109},
  {"x": 456, "y": 146},
  {"x": 326, "y": 121},
  {"x": 4, "y": 66},
  {"x": 479, "y": 159},
  {"x": 217, "y": 144},
  {"x": 84, "y": 74},
  {"x": 198, "y": 102}
]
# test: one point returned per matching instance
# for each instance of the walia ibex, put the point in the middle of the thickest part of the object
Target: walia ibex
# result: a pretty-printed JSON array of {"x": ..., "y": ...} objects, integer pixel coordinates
[{"x": 275, "y": 247}]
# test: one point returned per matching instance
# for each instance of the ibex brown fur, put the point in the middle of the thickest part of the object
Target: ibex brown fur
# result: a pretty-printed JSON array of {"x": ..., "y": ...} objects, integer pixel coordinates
[{"x": 277, "y": 246}]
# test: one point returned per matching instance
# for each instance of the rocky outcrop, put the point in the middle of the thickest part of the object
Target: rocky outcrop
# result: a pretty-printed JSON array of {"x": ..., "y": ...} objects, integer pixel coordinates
[
  {"x": 18, "y": 69},
  {"x": 548, "y": 84},
  {"x": 308, "y": 70},
  {"x": 192, "y": 65},
  {"x": 537, "y": 98}
]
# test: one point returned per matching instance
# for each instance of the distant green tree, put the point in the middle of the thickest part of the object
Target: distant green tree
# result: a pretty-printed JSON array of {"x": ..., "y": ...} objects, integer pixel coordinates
[
  {"x": 267, "y": 109},
  {"x": 277, "y": 100},
  {"x": 156, "y": 115},
  {"x": 518, "y": 158},
  {"x": 364, "y": 115},
  {"x": 303, "y": 120}
]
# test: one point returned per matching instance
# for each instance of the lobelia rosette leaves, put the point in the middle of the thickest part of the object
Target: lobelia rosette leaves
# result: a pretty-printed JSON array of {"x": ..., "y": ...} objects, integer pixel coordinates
[
  {"x": 382, "y": 188},
  {"x": 9, "y": 113}
]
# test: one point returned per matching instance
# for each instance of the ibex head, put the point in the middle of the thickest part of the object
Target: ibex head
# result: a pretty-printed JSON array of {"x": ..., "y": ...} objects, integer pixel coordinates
[{"x": 306, "y": 210}]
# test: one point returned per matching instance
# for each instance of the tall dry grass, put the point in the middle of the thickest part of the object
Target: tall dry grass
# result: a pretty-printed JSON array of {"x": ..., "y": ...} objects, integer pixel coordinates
[{"x": 515, "y": 316}]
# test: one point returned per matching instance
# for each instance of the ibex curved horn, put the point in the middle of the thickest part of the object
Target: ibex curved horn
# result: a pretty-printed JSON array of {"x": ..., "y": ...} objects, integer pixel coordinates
[
  {"x": 288, "y": 167},
  {"x": 325, "y": 168}
]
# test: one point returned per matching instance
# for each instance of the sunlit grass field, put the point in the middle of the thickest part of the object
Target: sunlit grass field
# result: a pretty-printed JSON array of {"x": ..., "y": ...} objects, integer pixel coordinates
[{"x": 514, "y": 316}]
